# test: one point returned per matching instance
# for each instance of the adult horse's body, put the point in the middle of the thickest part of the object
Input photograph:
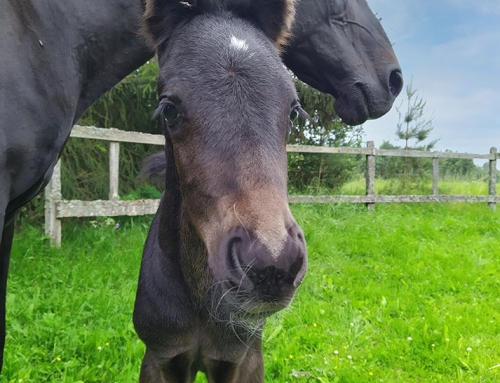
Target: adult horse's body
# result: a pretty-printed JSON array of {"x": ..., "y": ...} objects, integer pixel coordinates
[
  {"x": 59, "y": 56},
  {"x": 224, "y": 251}
]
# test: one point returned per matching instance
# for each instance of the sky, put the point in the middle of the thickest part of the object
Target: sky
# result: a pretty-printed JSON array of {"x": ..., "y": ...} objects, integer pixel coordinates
[{"x": 450, "y": 49}]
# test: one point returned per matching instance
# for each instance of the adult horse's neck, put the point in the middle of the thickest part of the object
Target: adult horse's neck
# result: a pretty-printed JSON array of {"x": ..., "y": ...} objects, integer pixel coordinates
[
  {"x": 107, "y": 46},
  {"x": 73, "y": 52}
]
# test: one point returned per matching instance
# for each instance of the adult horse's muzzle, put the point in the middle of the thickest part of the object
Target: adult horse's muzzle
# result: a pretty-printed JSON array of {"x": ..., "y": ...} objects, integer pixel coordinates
[{"x": 363, "y": 99}]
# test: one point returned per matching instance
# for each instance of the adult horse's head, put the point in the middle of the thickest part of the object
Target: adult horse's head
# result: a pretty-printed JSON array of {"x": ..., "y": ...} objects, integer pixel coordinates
[
  {"x": 339, "y": 47},
  {"x": 226, "y": 101}
]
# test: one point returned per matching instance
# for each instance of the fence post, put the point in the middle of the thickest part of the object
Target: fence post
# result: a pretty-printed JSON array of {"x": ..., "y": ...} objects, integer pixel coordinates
[
  {"x": 435, "y": 175},
  {"x": 492, "y": 189},
  {"x": 114, "y": 170},
  {"x": 52, "y": 199},
  {"x": 370, "y": 174}
]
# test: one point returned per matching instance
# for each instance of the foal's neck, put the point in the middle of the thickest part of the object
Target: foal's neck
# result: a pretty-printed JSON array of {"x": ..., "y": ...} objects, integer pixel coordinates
[{"x": 193, "y": 259}]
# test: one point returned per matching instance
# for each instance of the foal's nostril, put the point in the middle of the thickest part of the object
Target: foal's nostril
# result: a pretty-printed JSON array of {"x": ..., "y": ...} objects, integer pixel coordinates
[
  {"x": 234, "y": 251},
  {"x": 396, "y": 82},
  {"x": 251, "y": 266}
]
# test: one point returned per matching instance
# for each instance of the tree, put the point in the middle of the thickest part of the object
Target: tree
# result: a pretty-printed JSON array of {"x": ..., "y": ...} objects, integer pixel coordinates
[
  {"x": 388, "y": 167},
  {"x": 412, "y": 125},
  {"x": 413, "y": 129},
  {"x": 324, "y": 128},
  {"x": 459, "y": 168}
]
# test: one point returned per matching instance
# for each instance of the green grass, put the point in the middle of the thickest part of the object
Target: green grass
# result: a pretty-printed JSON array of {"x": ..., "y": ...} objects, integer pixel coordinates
[
  {"x": 394, "y": 187},
  {"x": 428, "y": 273},
  {"x": 408, "y": 294}
]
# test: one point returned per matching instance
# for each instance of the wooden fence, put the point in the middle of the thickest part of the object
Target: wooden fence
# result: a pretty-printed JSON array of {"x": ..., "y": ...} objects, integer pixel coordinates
[{"x": 57, "y": 208}]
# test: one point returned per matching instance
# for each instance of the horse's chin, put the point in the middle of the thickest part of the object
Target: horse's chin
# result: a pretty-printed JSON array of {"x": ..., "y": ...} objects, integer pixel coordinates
[
  {"x": 352, "y": 111},
  {"x": 247, "y": 305}
]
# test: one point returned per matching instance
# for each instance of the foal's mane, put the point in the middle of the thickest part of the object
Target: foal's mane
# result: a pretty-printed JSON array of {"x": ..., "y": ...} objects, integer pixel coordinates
[{"x": 273, "y": 17}]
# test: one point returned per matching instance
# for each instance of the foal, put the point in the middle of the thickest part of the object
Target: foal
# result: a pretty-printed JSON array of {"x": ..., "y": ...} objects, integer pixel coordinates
[{"x": 224, "y": 251}]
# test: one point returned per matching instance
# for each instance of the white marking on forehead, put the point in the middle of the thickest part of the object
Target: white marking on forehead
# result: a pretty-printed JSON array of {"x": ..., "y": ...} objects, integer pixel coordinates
[{"x": 239, "y": 44}]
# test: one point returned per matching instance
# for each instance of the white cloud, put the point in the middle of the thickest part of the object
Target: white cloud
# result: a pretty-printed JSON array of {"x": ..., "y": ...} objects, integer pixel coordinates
[
  {"x": 399, "y": 17},
  {"x": 474, "y": 50},
  {"x": 483, "y": 6},
  {"x": 460, "y": 80}
]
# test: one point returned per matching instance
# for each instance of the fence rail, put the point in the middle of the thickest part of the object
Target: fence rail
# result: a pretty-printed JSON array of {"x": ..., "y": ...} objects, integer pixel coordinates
[{"x": 57, "y": 208}]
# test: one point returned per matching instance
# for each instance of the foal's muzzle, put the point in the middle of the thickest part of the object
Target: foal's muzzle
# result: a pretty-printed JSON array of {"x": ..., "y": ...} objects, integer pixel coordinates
[{"x": 268, "y": 281}]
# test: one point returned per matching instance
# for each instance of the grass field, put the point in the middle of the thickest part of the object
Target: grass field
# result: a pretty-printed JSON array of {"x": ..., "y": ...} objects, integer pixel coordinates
[
  {"x": 408, "y": 294},
  {"x": 394, "y": 187}
]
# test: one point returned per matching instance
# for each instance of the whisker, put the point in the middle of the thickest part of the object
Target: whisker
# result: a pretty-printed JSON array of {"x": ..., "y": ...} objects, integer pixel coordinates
[{"x": 241, "y": 222}]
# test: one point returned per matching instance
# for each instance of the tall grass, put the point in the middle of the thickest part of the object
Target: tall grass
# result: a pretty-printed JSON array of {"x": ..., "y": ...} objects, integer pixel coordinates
[
  {"x": 395, "y": 187},
  {"x": 408, "y": 294}
]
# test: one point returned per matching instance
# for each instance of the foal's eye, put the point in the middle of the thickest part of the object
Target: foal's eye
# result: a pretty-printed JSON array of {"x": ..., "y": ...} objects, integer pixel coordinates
[
  {"x": 170, "y": 113},
  {"x": 294, "y": 114}
]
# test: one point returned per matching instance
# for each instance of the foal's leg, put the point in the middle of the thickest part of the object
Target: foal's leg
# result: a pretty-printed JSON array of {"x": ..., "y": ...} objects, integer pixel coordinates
[
  {"x": 150, "y": 372},
  {"x": 6, "y": 236},
  {"x": 251, "y": 370},
  {"x": 176, "y": 370}
]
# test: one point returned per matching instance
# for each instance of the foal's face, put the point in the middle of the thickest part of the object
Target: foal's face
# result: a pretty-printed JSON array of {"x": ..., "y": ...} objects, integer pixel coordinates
[{"x": 227, "y": 102}]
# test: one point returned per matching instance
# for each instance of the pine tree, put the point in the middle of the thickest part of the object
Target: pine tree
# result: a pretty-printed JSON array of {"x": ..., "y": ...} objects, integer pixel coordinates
[
  {"x": 413, "y": 128},
  {"x": 412, "y": 125}
]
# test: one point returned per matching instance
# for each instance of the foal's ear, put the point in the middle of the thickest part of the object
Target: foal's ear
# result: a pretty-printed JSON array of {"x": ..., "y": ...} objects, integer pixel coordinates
[
  {"x": 274, "y": 18},
  {"x": 161, "y": 17}
]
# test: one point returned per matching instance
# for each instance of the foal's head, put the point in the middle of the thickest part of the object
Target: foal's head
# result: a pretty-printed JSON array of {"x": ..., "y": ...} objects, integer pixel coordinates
[{"x": 226, "y": 101}]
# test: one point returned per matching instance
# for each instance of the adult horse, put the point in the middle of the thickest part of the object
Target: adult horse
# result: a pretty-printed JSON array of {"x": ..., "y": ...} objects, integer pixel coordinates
[
  {"x": 224, "y": 251},
  {"x": 59, "y": 56}
]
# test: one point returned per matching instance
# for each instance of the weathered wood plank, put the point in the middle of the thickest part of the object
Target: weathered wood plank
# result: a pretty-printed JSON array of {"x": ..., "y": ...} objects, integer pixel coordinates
[
  {"x": 492, "y": 187},
  {"x": 52, "y": 199},
  {"x": 370, "y": 175},
  {"x": 389, "y": 199},
  {"x": 74, "y": 208},
  {"x": 116, "y": 135},
  {"x": 114, "y": 170},
  {"x": 435, "y": 176},
  {"x": 325, "y": 149},
  {"x": 99, "y": 208},
  {"x": 384, "y": 152},
  {"x": 422, "y": 154}
]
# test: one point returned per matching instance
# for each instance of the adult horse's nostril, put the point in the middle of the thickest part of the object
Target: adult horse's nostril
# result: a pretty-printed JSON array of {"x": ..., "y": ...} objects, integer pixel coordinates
[{"x": 396, "y": 82}]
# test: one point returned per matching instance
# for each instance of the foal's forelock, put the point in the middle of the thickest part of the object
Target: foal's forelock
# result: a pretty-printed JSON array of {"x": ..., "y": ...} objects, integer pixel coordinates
[{"x": 273, "y": 17}]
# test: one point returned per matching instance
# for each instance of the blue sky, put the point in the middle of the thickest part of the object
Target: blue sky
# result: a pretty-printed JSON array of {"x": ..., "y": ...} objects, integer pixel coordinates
[{"x": 451, "y": 50}]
